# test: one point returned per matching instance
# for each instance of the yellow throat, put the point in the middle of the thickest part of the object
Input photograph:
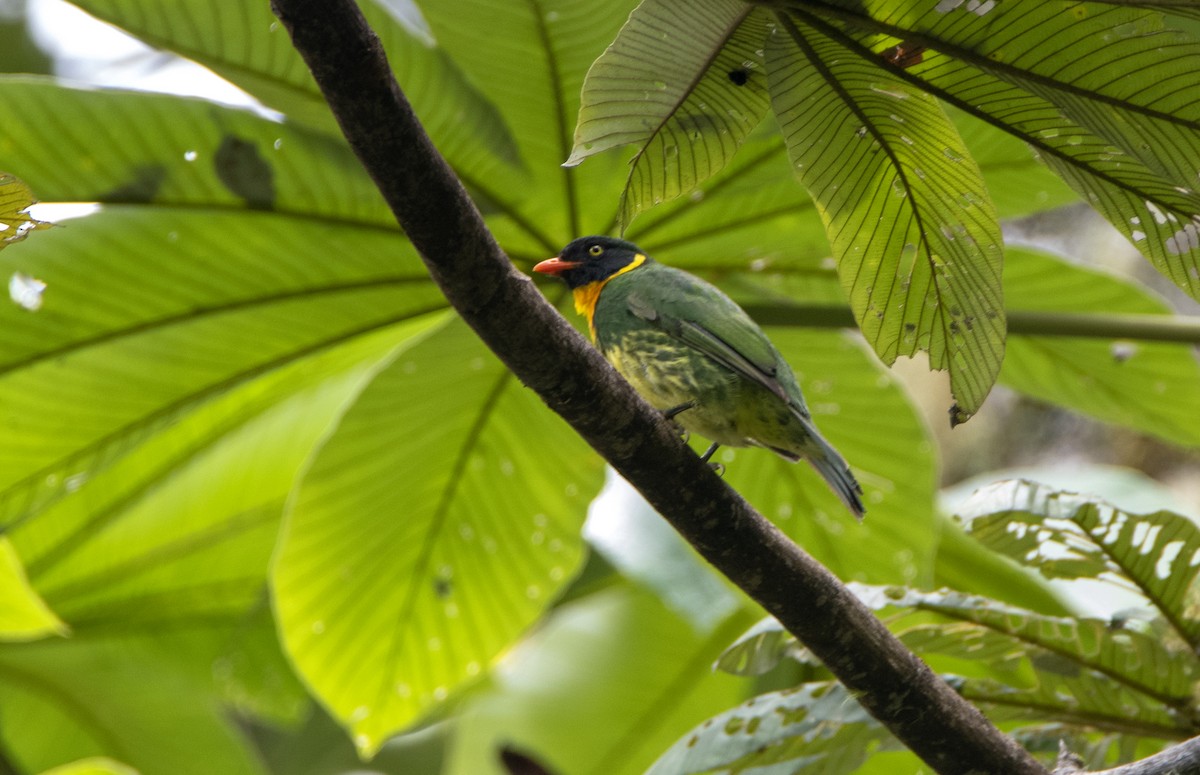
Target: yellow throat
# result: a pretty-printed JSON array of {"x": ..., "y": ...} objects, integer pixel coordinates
[{"x": 586, "y": 296}]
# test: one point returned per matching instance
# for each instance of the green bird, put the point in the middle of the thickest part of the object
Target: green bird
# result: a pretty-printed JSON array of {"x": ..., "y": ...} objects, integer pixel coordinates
[{"x": 693, "y": 353}]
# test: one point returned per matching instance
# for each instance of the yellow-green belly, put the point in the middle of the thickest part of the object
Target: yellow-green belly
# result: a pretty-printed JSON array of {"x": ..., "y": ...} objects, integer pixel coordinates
[{"x": 729, "y": 409}]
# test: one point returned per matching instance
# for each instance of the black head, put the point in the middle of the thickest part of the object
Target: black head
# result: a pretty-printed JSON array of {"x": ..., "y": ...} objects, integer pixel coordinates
[{"x": 590, "y": 259}]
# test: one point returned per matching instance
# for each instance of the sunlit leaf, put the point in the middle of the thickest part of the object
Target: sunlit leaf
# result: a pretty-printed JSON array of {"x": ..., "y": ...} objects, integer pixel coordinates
[
  {"x": 150, "y": 319},
  {"x": 1101, "y": 93},
  {"x": 704, "y": 63},
  {"x": 530, "y": 59},
  {"x": 435, "y": 525},
  {"x": 15, "y": 200},
  {"x": 93, "y": 766},
  {"x": 80, "y": 145},
  {"x": 252, "y": 50},
  {"x": 909, "y": 219},
  {"x": 1069, "y": 536},
  {"x": 23, "y": 615}
]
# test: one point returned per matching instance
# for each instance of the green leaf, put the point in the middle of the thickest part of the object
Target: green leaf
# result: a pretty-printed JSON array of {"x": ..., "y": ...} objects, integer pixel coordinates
[
  {"x": 146, "y": 701},
  {"x": 1139, "y": 662},
  {"x": 1068, "y": 536},
  {"x": 1102, "y": 95},
  {"x": 684, "y": 82},
  {"x": 759, "y": 650},
  {"x": 88, "y": 377},
  {"x": 814, "y": 728},
  {"x": 92, "y": 766},
  {"x": 1019, "y": 184},
  {"x": 648, "y": 679},
  {"x": 433, "y": 527},
  {"x": 252, "y": 50},
  {"x": 1151, "y": 386},
  {"x": 15, "y": 201},
  {"x": 966, "y": 565},
  {"x": 23, "y": 614},
  {"x": 909, "y": 219},
  {"x": 78, "y": 145},
  {"x": 530, "y": 57}
]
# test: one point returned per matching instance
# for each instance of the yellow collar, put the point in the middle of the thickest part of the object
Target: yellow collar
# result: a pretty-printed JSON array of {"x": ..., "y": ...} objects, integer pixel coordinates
[{"x": 586, "y": 296}]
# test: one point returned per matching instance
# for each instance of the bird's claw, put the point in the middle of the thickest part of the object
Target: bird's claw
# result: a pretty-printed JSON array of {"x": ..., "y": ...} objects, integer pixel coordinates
[
  {"x": 674, "y": 410},
  {"x": 718, "y": 469}
]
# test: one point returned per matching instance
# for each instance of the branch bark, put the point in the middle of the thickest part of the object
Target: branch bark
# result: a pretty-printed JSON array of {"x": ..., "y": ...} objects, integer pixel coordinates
[
  {"x": 1182, "y": 759},
  {"x": 512, "y": 318}
]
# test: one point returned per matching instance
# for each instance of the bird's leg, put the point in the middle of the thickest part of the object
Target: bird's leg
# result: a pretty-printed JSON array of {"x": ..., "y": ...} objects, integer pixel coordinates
[
  {"x": 671, "y": 413},
  {"x": 708, "y": 453}
]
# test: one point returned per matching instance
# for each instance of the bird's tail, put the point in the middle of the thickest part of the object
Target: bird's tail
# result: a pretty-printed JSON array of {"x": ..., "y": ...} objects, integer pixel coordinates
[{"x": 833, "y": 468}]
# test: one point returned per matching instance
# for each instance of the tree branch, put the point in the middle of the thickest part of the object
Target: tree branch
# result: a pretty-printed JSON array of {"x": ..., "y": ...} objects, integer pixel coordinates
[
  {"x": 1182, "y": 759},
  {"x": 549, "y": 356}
]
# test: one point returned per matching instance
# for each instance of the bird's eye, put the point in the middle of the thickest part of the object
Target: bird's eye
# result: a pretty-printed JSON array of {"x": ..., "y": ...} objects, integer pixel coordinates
[{"x": 595, "y": 250}]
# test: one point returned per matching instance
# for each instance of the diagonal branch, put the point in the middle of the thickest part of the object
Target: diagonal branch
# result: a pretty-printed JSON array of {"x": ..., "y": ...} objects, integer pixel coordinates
[{"x": 507, "y": 312}]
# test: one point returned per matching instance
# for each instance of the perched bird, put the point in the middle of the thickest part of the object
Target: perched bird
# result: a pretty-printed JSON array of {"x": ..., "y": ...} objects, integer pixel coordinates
[{"x": 693, "y": 353}]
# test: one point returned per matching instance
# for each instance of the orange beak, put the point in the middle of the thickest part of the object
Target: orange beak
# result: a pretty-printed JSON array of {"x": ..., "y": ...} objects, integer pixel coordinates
[{"x": 554, "y": 266}]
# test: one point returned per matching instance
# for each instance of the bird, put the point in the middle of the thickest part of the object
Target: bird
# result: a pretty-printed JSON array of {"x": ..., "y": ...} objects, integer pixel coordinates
[{"x": 695, "y": 355}]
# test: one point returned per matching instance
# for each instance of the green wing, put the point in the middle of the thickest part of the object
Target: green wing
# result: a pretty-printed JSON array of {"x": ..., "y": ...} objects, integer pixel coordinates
[{"x": 704, "y": 318}]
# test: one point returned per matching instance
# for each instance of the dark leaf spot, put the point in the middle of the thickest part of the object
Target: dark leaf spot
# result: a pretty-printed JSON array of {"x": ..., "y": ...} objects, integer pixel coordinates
[
  {"x": 517, "y": 763},
  {"x": 142, "y": 187},
  {"x": 739, "y": 76},
  {"x": 442, "y": 587},
  {"x": 245, "y": 172}
]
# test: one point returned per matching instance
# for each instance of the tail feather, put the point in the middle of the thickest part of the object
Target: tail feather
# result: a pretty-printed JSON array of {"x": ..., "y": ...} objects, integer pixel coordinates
[{"x": 832, "y": 467}]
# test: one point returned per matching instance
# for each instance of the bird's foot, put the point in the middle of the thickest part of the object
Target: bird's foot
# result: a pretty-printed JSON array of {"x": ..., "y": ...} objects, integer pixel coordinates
[
  {"x": 718, "y": 469},
  {"x": 674, "y": 410},
  {"x": 708, "y": 453}
]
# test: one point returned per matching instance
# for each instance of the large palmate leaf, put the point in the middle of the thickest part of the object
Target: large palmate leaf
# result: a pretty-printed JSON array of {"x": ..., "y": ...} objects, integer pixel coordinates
[
  {"x": 135, "y": 148},
  {"x": 89, "y": 376},
  {"x": 709, "y": 92},
  {"x": 910, "y": 222},
  {"x": 249, "y": 48},
  {"x": 529, "y": 57},
  {"x": 435, "y": 524},
  {"x": 1102, "y": 92},
  {"x": 1065, "y": 535}
]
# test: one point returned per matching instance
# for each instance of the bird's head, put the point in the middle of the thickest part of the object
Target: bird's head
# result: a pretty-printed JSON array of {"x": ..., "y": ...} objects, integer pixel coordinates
[{"x": 591, "y": 259}]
